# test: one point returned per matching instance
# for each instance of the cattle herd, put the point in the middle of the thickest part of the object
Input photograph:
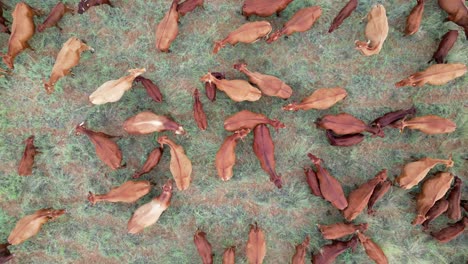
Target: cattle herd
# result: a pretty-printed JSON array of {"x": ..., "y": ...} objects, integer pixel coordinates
[{"x": 438, "y": 195}]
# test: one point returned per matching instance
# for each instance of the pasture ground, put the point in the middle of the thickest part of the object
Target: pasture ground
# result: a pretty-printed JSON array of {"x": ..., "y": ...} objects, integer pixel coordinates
[{"x": 123, "y": 38}]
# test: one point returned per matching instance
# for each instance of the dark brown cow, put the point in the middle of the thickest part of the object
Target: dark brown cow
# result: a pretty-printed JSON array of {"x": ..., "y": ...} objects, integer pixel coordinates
[
  {"x": 3, "y": 21},
  {"x": 247, "y": 33},
  {"x": 328, "y": 253},
  {"x": 54, "y": 17},
  {"x": 264, "y": 149},
  {"x": 203, "y": 247},
  {"x": 343, "y": 14},
  {"x": 445, "y": 45},
  {"x": 27, "y": 161}
]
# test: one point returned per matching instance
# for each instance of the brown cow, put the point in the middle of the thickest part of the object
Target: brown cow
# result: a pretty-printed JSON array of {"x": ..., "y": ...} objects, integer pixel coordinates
[
  {"x": 247, "y": 33},
  {"x": 301, "y": 21},
  {"x": 27, "y": 160},
  {"x": 264, "y": 8},
  {"x": 457, "y": 12},
  {"x": 445, "y": 45},
  {"x": 68, "y": 57},
  {"x": 414, "y": 19},
  {"x": 22, "y": 30},
  {"x": 168, "y": 28},
  {"x": 203, "y": 247},
  {"x": 328, "y": 253},
  {"x": 343, "y": 14},
  {"x": 188, "y": 6},
  {"x": 84, "y": 5},
  {"x": 3, "y": 21},
  {"x": 451, "y": 232},
  {"x": 54, "y": 17},
  {"x": 5, "y": 254}
]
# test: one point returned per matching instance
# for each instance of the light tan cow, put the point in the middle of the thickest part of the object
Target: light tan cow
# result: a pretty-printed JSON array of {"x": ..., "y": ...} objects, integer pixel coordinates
[{"x": 376, "y": 31}]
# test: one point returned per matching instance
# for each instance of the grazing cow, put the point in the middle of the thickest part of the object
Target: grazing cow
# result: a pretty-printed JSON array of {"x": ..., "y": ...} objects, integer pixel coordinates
[
  {"x": 22, "y": 31},
  {"x": 445, "y": 45},
  {"x": 54, "y": 17},
  {"x": 457, "y": 11},
  {"x": 188, "y": 6},
  {"x": 343, "y": 14},
  {"x": 302, "y": 21},
  {"x": 414, "y": 19},
  {"x": 68, "y": 57},
  {"x": 168, "y": 28},
  {"x": 264, "y": 8}
]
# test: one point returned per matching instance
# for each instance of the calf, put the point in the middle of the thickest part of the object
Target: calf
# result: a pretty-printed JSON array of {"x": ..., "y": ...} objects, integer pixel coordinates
[
  {"x": 414, "y": 19},
  {"x": 27, "y": 161},
  {"x": 247, "y": 33},
  {"x": 302, "y": 21}
]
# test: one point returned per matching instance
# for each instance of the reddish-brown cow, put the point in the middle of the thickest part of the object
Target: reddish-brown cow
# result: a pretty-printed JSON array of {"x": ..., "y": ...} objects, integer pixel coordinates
[
  {"x": 188, "y": 6},
  {"x": 264, "y": 8},
  {"x": 54, "y": 17},
  {"x": 22, "y": 31}
]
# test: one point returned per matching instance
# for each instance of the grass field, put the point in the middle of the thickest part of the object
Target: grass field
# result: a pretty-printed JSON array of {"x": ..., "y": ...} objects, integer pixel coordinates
[{"x": 123, "y": 38}]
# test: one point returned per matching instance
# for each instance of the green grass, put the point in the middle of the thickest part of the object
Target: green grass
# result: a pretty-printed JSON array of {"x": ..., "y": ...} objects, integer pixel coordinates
[{"x": 123, "y": 38}]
